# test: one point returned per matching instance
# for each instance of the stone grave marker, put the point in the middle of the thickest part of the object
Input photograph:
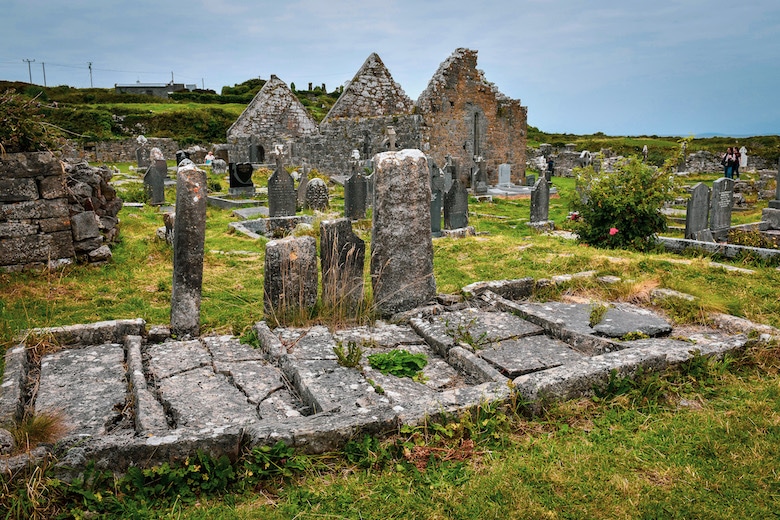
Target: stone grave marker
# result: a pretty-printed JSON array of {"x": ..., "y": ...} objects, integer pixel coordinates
[
  {"x": 154, "y": 181},
  {"x": 540, "y": 202},
  {"x": 219, "y": 166},
  {"x": 721, "y": 202},
  {"x": 302, "y": 182},
  {"x": 241, "y": 179},
  {"x": 342, "y": 255},
  {"x": 317, "y": 194},
  {"x": 449, "y": 173},
  {"x": 775, "y": 204},
  {"x": 697, "y": 211},
  {"x": 189, "y": 238},
  {"x": 437, "y": 196},
  {"x": 282, "y": 198},
  {"x": 456, "y": 206},
  {"x": 181, "y": 155},
  {"x": 142, "y": 157},
  {"x": 355, "y": 196},
  {"x": 479, "y": 177},
  {"x": 290, "y": 277},
  {"x": 504, "y": 174},
  {"x": 530, "y": 179},
  {"x": 401, "y": 244}
]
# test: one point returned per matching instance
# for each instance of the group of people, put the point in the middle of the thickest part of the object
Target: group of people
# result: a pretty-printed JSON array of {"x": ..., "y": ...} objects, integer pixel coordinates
[{"x": 730, "y": 161}]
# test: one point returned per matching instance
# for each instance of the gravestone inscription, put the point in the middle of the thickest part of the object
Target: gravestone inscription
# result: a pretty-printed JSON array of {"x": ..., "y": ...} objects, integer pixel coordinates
[{"x": 721, "y": 203}]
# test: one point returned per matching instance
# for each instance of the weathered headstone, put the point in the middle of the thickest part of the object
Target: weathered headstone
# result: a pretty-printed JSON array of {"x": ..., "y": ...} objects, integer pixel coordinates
[
  {"x": 154, "y": 181},
  {"x": 449, "y": 172},
  {"x": 290, "y": 277},
  {"x": 302, "y": 182},
  {"x": 437, "y": 197},
  {"x": 540, "y": 202},
  {"x": 775, "y": 204},
  {"x": 189, "y": 237},
  {"x": 142, "y": 152},
  {"x": 342, "y": 255},
  {"x": 355, "y": 196},
  {"x": 456, "y": 206},
  {"x": 282, "y": 198},
  {"x": 317, "y": 194},
  {"x": 721, "y": 202},
  {"x": 181, "y": 155},
  {"x": 219, "y": 166},
  {"x": 401, "y": 244},
  {"x": 697, "y": 211},
  {"x": 504, "y": 174},
  {"x": 530, "y": 179},
  {"x": 479, "y": 178},
  {"x": 241, "y": 179}
]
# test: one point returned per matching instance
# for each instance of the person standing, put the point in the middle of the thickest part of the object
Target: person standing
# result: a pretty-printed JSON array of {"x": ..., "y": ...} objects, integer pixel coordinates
[
  {"x": 728, "y": 163},
  {"x": 735, "y": 169}
]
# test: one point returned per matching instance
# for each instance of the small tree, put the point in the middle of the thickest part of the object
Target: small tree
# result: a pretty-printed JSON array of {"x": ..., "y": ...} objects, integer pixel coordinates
[{"x": 622, "y": 208}]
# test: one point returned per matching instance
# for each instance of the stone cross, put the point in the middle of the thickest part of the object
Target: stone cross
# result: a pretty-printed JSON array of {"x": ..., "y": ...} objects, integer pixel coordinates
[
  {"x": 697, "y": 211},
  {"x": 401, "y": 244},
  {"x": 189, "y": 237}
]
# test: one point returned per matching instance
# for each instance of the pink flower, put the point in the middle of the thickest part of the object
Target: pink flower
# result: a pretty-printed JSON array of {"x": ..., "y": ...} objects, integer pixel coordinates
[{"x": 613, "y": 231}]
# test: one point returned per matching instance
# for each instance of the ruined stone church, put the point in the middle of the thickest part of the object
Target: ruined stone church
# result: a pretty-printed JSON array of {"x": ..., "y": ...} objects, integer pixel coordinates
[{"x": 460, "y": 114}]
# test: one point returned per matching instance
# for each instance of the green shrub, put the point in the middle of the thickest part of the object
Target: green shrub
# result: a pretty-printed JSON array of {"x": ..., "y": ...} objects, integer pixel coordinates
[
  {"x": 22, "y": 126},
  {"x": 622, "y": 208},
  {"x": 400, "y": 363}
]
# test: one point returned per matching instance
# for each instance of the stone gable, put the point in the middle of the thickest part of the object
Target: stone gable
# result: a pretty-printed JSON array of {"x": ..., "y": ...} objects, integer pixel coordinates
[
  {"x": 371, "y": 93},
  {"x": 274, "y": 112}
]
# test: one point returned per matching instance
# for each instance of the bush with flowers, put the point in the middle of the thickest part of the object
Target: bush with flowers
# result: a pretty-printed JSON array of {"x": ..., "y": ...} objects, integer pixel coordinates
[{"x": 622, "y": 208}]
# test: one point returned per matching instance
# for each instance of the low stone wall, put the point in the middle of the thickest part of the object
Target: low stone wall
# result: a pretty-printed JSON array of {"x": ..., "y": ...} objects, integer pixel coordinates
[
  {"x": 122, "y": 151},
  {"x": 53, "y": 212}
]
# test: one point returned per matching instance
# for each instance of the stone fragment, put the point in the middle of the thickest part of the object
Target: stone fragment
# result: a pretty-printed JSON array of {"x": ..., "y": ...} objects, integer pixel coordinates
[
  {"x": 290, "y": 276},
  {"x": 342, "y": 256}
]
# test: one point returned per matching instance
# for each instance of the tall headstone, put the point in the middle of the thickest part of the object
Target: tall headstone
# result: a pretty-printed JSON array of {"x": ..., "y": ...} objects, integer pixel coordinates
[
  {"x": 317, "y": 194},
  {"x": 342, "y": 256},
  {"x": 302, "y": 182},
  {"x": 449, "y": 173},
  {"x": 540, "y": 201},
  {"x": 437, "y": 197},
  {"x": 241, "y": 179},
  {"x": 479, "y": 178},
  {"x": 189, "y": 238},
  {"x": 355, "y": 196},
  {"x": 142, "y": 152},
  {"x": 721, "y": 202},
  {"x": 290, "y": 277},
  {"x": 154, "y": 181},
  {"x": 456, "y": 206},
  {"x": 401, "y": 243},
  {"x": 504, "y": 174},
  {"x": 697, "y": 211},
  {"x": 282, "y": 198}
]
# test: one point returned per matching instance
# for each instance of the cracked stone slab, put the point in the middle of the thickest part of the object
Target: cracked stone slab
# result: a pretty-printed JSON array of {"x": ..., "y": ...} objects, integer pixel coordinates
[
  {"x": 14, "y": 375},
  {"x": 87, "y": 386},
  {"x": 150, "y": 418},
  {"x": 201, "y": 399},
  {"x": 622, "y": 319},
  {"x": 279, "y": 406},
  {"x": 256, "y": 379},
  {"x": 230, "y": 349},
  {"x": 381, "y": 334},
  {"x": 172, "y": 357},
  {"x": 446, "y": 330},
  {"x": 437, "y": 373},
  {"x": 314, "y": 343},
  {"x": 515, "y": 357}
]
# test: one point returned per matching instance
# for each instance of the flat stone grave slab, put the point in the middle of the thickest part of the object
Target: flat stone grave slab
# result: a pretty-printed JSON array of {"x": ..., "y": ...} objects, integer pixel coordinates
[
  {"x": 251, "y": 212},
  {"x": 65, "y": 375},
  {"x": 474, "y": 327},
  {"x": 515, "y": 357},
  {"x": 172, "y": 357},
  {"x": 380, "y": 334}
]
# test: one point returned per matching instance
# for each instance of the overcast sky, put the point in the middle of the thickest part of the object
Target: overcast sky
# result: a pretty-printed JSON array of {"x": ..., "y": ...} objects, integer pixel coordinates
[{"x": 614, "y": 66}]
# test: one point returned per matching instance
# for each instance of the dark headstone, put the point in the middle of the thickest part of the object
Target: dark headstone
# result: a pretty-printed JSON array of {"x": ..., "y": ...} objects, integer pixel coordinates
[
  {"x": 401, "y": 244},
  {"x": 479, "y": 178},
  {"x": 317, "y": 194},
  {"x": 290, "y": 277},
  {"x": 456, "y": 206},
  {"x": 721, "y": 203},
  {"x": 181, "y": 155},
  {"x": 530, "y": 179},
  {"x": 282, "y": 198},
  {"x": 355, "y": 196},
  {"x": 241, "y": 179},
  {"x": 437, "y": 197},
  {"x": 342, "y": 255},
  {"x": 697, "y": 211},
  {"x": 189, "y": 237},
  {"x": 154, "y": 180},
  {"x": 540, "y": 201},
  {"x": 302, "y": 182}
]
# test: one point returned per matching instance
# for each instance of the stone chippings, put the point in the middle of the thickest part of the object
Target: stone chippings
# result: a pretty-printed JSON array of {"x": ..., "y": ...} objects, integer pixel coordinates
[{"x": 144, "y": 403}]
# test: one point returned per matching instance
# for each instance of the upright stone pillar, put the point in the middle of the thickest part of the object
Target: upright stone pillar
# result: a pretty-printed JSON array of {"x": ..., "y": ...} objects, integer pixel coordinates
[
  {"x": 540, "y": 202},
  {"x": 290, "y": 278},
  {"x": 189, "y": 238},
  {"x": 401, "y": 244},
  {"x": 342, "y": 255},
  {"x": 697, "y": 211},
  {"x": 355, "y": 196},
  {"x": 437, "y": 196}
]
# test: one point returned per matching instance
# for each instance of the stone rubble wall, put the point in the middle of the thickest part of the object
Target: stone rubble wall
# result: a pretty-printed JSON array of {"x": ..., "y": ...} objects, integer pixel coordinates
[{"x": 52, "y": 212}]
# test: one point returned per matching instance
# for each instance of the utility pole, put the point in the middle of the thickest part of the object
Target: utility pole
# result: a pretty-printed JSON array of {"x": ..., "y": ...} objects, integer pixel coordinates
[
  {"x": 171, "y": 77},
  {"x": 29, "y": 70},
  {"x": 43, "y": 66},
  {"x": 89, "y": 63}
]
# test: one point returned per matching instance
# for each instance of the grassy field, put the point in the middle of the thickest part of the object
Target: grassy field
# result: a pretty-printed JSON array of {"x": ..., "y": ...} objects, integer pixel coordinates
[{"x": 699, "y": 442}]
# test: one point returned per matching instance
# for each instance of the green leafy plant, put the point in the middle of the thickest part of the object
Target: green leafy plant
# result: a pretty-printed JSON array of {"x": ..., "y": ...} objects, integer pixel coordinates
[
  {"x": 400, "y": 363},
  {"x": 265, "y": 462},
  {"x": 350, "y": 357},
  {"x": 622, "y": 208}
]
